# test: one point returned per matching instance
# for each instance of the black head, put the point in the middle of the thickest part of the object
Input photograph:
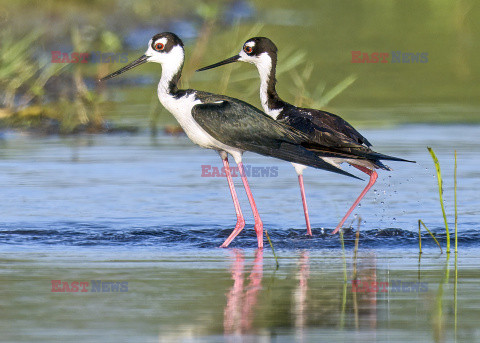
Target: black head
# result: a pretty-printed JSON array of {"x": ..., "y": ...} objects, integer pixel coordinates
[
  {"x": 164, "y": 48},
  {"x": 258, "y": 45},
  {"x": 253, "y": 51},
  {"x": 164, "y": 42}
]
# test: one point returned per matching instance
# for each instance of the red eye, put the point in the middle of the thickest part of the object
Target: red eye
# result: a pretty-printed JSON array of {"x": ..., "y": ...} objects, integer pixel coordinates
[
  {"x": 159, "y": 46},
  {"x": 248, "y": 49}
]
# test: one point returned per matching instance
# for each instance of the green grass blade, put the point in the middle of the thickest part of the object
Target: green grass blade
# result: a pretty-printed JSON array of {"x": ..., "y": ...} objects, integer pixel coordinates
[
  {"x": 355, "y": 250},
  {"x": 345, "y": 281},
  {"x": 343, "y": 257},
  {"x": 419, "y": 236},
  {"x": 440, "y": 191},
  {"x": 271, "y": 245},
  {"x": 431, "y": 234},
  {"x": 332, "y": 93},
  {"x": 455, "y": 196},
  {"x": 455, "y": 289}
]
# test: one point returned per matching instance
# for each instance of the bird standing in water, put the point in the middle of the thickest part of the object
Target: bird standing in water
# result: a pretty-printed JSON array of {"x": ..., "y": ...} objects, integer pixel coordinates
[
  {"x": 227, "y": 125},
  {"x": 338, "y": 141}
]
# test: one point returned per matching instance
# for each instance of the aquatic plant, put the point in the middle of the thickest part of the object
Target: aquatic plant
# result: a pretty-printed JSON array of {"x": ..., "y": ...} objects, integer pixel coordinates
[
  {"x": 21, "y": 75},
  {"x": 420, "y": 222},
  {"x": 271, "y": 245},
  {"x": 455, "y": 197},
  {"x": 25, "y": 80},
  {"x": 440, "y": 191},
  {"x": 455, "y": 289},
  {"x": 355, "y": 250},
  {"x": 345, "y": 281},
  {"x": 438, "y": 316},
  {"x": 317, "y": 98}
]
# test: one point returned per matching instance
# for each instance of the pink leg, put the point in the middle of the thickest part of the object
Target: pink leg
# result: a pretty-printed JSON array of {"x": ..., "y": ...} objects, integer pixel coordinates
[
  {"x": 240, "y": 221},
  {"x": 256, "y": 216},
  {"x": 373, "y": 177},
  {"x": 304, "y": 202}
]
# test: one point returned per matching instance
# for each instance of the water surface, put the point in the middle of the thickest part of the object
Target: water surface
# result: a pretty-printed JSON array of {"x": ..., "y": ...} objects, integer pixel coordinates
[{"x": 135, "y": 209}]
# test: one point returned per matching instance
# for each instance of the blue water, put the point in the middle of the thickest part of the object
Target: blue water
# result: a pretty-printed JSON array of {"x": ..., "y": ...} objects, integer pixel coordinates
[
  {"x": 138, "y": 190},
  {"x": 135, "y": 209}
]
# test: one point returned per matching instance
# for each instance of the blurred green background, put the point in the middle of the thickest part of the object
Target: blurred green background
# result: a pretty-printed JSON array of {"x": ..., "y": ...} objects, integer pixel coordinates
[{"x": 315, "y": 41}]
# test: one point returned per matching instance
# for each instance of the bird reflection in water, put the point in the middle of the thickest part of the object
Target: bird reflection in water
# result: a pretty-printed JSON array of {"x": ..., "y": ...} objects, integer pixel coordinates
[
  {"x": 315, "y": 303},
  {"x": 241, "y": 299},
  {"x": 300, "y": 296},
  {"x": 243, "y": 296}
]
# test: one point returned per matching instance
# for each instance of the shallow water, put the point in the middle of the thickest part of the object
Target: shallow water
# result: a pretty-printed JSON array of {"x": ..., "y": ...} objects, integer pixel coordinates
[
  {"x": 135, "y": 209},
  {"x": 206, "y": 295}
]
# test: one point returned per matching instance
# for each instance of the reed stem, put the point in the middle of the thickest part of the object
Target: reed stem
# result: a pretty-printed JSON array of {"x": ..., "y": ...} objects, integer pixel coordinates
[{"x": 440, "y": 191}]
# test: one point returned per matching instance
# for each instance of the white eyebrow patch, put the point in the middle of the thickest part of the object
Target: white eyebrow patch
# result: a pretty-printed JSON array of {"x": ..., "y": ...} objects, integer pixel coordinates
[
  {"x": 250, "y": 44},
  {"x": 162, "y": 40}
]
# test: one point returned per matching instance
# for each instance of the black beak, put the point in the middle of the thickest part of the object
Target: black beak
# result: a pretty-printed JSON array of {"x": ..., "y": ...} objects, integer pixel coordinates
[
  {"x": 227, "y": 61},
  {"x": 134, "y": 64}
]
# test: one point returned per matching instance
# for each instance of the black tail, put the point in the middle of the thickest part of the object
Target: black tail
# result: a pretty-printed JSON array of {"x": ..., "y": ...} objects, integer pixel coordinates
[
  {"x": 378, "y": 156},
  {"x": 297, "y": 154},
  {"x": 362, "y": 153}
]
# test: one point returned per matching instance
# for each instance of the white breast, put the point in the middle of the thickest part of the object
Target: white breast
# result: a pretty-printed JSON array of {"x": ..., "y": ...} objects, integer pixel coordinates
[{"x": 181, "y": 108}]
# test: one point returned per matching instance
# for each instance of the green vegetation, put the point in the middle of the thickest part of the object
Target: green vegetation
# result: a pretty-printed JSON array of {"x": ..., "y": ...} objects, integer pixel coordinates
[
  {"x": 271, "y": 246},
  {"x": 420, "y": 222},
  {"x": 315, "y": 41},
  {"x": 28, "y": 104},
  {"x": 455, "y": 196},
  {"x": 440, "y": 192}
]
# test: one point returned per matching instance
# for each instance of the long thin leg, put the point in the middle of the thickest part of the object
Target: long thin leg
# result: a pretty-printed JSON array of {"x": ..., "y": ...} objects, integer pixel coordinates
[
  {"x": 256, "y": 216},
  {"x": 373, "y": 177},
  {"x": 304, "y": 202},
  {"x": 240, "y": 221}
]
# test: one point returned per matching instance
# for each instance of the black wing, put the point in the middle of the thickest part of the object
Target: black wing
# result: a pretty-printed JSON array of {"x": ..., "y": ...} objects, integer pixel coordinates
[
  {"x": 240, "y": 125},
  {"x": 331, "y": 136},
  {"x": 324, "y": 119}
]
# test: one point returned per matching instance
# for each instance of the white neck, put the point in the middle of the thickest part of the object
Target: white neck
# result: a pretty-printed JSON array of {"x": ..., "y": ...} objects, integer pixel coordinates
[
  {"x": 264, "y": 66},
  {"x": 172, "y": 64},
  {"x": 166, "y": 94}
]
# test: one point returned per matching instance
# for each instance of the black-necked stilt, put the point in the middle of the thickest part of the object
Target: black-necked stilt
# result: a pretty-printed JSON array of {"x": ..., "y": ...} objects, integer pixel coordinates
[
  {"x": 338, "y": 141},
  {"x": 227, "y": 125}
]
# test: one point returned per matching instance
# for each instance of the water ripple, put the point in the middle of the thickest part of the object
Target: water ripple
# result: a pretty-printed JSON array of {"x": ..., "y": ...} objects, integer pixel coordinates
[{"x": 115, "y": 234}]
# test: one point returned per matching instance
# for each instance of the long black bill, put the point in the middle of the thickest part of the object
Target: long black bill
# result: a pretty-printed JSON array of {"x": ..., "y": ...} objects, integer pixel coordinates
[
  {"x": 134, "y": 64},
  {"x": 227, "y": 61}
]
